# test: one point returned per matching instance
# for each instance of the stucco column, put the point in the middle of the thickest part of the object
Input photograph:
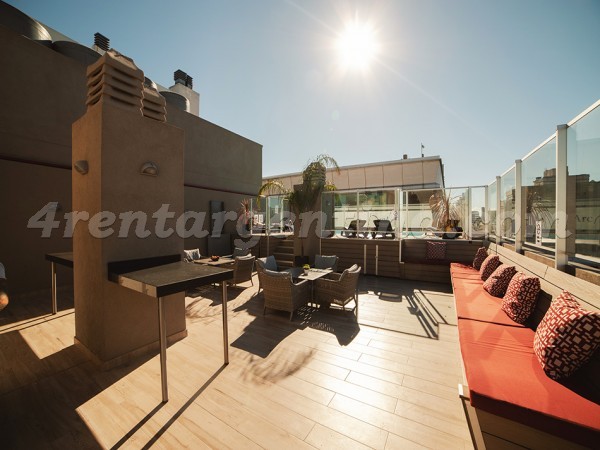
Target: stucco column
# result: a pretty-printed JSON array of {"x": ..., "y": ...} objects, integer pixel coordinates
[{"x": 122, "y": 133}]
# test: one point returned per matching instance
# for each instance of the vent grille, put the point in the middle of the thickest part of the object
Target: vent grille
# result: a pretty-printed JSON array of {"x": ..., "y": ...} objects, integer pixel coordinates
[{"x": 101, "y": 41}]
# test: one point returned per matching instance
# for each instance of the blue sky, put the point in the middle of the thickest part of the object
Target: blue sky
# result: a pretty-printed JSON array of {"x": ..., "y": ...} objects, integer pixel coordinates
[{"x": 479, "y": 83}]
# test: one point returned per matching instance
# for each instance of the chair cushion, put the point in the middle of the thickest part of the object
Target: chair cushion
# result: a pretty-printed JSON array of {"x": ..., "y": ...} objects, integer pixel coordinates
[
  {"x": 567, "y": 337},
  {"x": 498, "y": 281},
  {"x": 505, "y": 378},
  {"x": 275, "y": 274},
  {"x": 480, "y": 257},
  {"x": 192, "y": 255},
  {"x": 325, "y": 262},
  {"x": 271, "y": 263},
  {"x": 240, "y": 252},
  {"x": 435, "y": 250},
  {"x": 521, "y": 296},
  {"x": 488, "y": 266}
]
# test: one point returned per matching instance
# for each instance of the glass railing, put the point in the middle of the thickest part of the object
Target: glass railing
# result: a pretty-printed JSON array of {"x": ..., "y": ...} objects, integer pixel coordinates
[
  {"x": 270, "y": 215},
  {"x": 396, "y": 213},
  {"x": 507, "y": 205},
  {"x": 583, "y": 187},
  {"x": 538, "y": 181},
  {"x": 492, "y": 202}
]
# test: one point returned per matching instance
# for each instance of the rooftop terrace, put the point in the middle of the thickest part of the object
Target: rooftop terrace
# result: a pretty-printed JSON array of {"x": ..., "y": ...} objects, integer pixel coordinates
[{"x": 321, "y": 381}]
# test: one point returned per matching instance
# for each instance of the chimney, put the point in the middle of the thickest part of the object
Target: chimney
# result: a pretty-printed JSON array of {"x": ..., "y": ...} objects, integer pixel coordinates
[
  {"x": 101, "y": 41},
  {"x": 181, "y": 77}
]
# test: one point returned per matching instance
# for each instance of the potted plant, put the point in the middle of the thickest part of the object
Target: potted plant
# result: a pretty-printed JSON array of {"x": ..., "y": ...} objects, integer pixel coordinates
[{"x": 306, "y": 268}]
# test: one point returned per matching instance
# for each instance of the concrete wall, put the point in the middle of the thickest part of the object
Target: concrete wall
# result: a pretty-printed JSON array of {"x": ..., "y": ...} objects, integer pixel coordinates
[{"x": 43, "y": 93}]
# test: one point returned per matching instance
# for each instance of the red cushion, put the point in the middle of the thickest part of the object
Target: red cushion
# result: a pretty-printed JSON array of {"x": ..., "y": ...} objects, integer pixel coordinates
[
  {"x": 472, "y": 302},
  {"x": 498, "y": 281},
  {"x": 436, "y": 250},
  {"x": 521, "y": 296},
  {"x": 488, "y": 266},
  {"x": 505, "y": 378},
  {"x": 567, "y": 337},
  {"x": 479, "y": 257}
]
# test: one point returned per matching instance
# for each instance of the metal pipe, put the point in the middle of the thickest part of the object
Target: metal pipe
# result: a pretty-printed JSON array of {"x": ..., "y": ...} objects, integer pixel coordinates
[
  {"x": 162, "y": 331},
  {"x": 225, "y": 331},
  {"x": 54, "y": 301}
]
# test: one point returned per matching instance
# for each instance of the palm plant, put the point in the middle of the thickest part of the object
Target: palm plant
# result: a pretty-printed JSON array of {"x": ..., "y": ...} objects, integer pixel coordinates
[{"x": 303, "y": 197}]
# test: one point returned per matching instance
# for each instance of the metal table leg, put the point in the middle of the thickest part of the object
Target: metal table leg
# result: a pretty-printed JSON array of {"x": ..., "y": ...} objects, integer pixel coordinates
[
  {"x": 162, "y": 331},
  {"x": 225, "y": 333},
  {"x": 54, "y": 303}
]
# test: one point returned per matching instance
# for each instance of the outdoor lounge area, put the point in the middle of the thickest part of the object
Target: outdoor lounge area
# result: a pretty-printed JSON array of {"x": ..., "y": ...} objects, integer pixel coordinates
[{"x": 322, "y": 380}]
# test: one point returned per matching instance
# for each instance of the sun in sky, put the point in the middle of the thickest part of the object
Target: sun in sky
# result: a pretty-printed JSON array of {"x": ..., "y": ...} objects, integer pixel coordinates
[{"x": 357, "y": 46}]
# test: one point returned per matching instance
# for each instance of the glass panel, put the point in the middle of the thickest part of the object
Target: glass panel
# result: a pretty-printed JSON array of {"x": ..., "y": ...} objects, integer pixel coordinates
[
  {"x": 539, "y": 193},
  {"x": 278, "y": 216},
  {"x": 583, "y": 186},
  {"x": 259, "y": 216},
  {"x": 435, "y": 212},
  {"x": 478, "y": 216},
  {"x": 507, "y": 204},
  {"x": 377, "y": 215},
  {"x": 492, "y": 209}
]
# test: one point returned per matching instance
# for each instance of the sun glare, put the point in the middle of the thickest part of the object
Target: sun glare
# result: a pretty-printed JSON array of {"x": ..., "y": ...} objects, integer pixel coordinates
[{"x": 357, "y": 46}]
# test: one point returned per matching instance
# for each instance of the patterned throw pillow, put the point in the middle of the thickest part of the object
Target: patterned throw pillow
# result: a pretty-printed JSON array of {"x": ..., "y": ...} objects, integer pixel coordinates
[
  {"x": 498, "y": 281},
  {"x": 488, "y": 266},
  {"x": 436, "y": 250},
  {"x": 192, "y": 255},
  {"x": 521, "y": 296},
  {"x": 479, "y": 257},
  {"x": 567, "y": 337}
]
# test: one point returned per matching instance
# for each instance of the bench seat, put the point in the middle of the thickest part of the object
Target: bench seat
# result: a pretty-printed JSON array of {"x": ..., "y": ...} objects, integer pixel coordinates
[
  {"x": 506, "y": 379},
  {"x": 504, "y": 376}
]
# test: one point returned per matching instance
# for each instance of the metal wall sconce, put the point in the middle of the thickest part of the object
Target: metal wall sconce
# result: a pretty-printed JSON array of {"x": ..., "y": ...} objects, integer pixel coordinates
[
  {"x": 81, "y": 166},
  {"x": 149, "y": 168}
]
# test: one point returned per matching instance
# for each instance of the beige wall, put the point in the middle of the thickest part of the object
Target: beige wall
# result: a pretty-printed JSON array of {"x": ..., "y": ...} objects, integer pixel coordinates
[
  {"x": 42, "y": 94},
  {"x": 414, "y": 173}
]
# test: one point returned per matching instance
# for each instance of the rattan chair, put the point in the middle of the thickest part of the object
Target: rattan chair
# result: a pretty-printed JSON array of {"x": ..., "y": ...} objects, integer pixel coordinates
[
  {"x": 282, "y": 293},
  {"x": 269, "y": 263},
  {"x": 326, "y": 262},
  {"x": 338, "y": 289},
  {"x": 242, "y": 269}
]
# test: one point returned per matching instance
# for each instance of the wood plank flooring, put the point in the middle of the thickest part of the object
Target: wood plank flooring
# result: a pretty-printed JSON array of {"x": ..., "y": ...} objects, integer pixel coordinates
[{"x": 320, "y": 381}]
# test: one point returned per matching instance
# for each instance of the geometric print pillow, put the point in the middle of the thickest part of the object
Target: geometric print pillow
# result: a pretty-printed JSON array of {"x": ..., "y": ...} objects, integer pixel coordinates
[
  {"x": 488, "y": 266},
  {"x": 498, "y": 281},
  {"x": 521, "y": 296},
  {"x": 567, "y": 337},
  {"x": 479, "y": 257},
  {"x": 436, "y": 250}
]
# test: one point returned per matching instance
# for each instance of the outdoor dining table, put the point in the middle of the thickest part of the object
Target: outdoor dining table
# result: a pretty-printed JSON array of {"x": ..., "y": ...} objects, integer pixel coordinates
[
  {"x": 222, "y": 261},
  {"x": 312, "y": 275},
  {"x": 162, "y": 280}
]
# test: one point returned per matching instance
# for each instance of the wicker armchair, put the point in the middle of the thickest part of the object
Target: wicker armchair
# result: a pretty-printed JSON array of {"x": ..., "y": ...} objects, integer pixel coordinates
[
  {"x": 326, "y": 262},
  {"x": 242, "y": 269},
  {"x": 269, "y": 263},
  {"x": 338, "y": 289},
  {"x": 282, "y": 293}
]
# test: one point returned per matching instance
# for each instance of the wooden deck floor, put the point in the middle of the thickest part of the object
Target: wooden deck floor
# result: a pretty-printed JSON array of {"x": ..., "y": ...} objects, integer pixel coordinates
[{"x": 320, "y": 381}]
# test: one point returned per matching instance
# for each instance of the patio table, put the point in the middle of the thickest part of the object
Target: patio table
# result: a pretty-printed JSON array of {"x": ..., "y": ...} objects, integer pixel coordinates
[
  {"x": 312, "y": 275},
  {"x": 162, "y": 280},
  {"x": 64, "y": 259}
]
